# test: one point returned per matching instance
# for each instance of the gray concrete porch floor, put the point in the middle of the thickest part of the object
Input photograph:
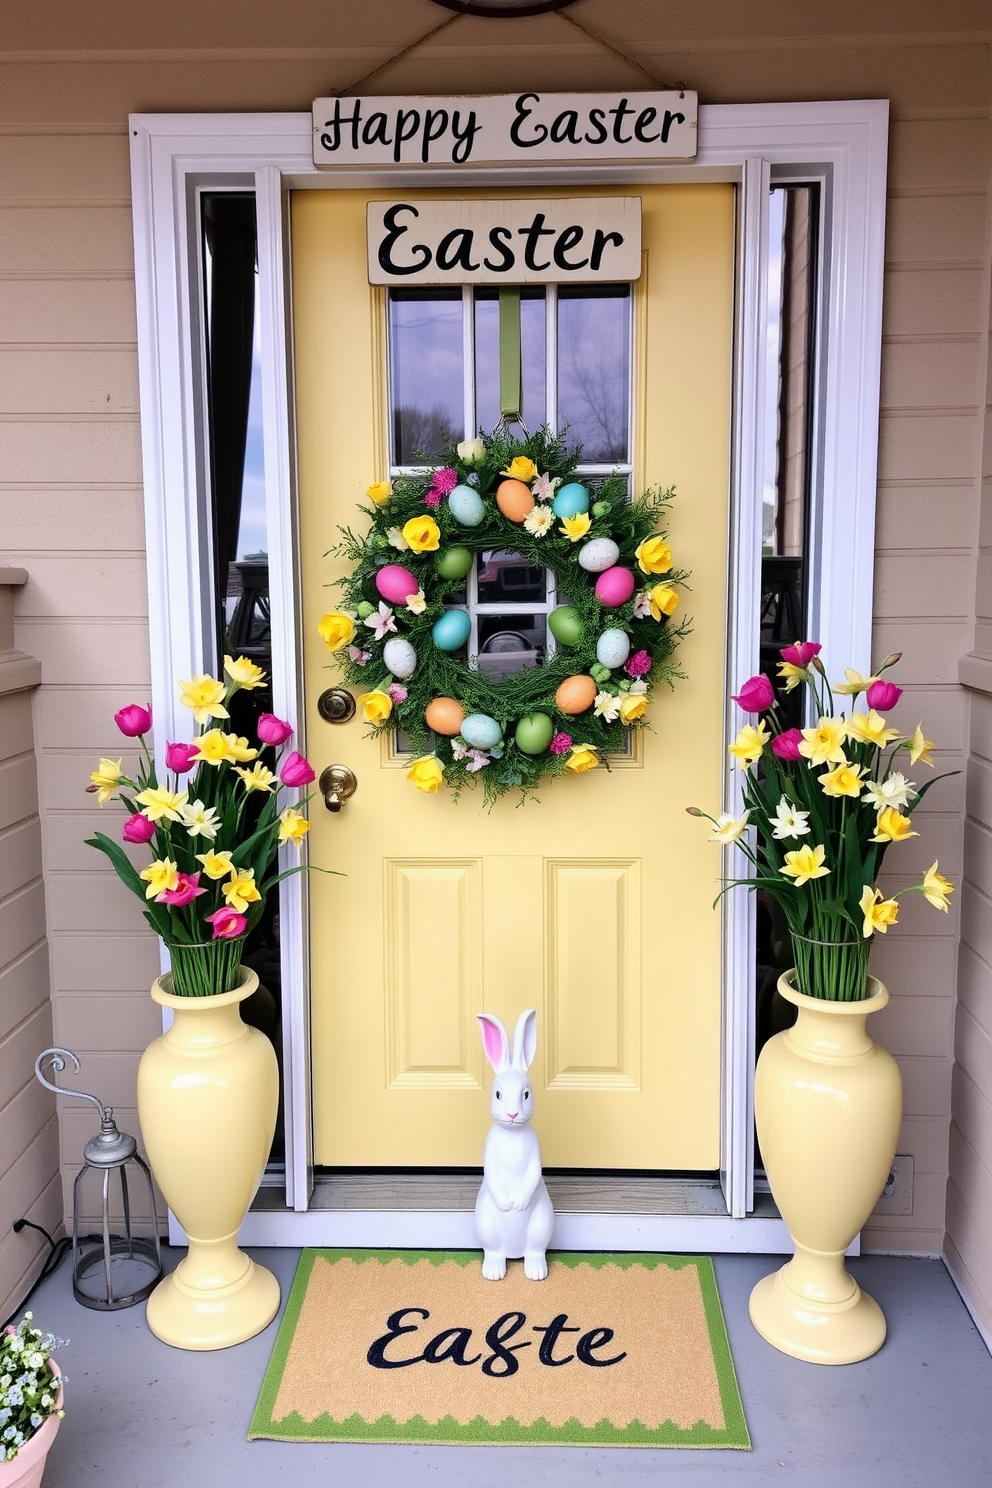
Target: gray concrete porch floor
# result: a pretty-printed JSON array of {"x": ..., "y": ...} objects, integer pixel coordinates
[{"x": 917, "y": 1415}]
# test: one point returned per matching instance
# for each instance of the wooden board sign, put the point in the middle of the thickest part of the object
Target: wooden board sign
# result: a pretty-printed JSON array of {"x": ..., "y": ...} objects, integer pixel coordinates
[
  {"x": 516, "y": 127},
  {"x": 592, "y": 238}
]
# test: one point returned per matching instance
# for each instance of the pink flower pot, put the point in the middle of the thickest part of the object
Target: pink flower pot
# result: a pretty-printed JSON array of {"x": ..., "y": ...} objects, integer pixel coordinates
[{"x": 27, "y": 1468}]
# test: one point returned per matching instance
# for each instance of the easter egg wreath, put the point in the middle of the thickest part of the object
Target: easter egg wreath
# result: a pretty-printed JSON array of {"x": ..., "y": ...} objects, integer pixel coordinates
[{"x": 402, "y": 631}]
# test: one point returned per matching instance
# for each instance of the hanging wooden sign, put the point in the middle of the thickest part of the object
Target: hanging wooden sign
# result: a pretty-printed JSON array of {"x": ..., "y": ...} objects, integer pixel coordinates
[
  {"x": 592, "y": 238},
  {"x": 504, "y": 127}
]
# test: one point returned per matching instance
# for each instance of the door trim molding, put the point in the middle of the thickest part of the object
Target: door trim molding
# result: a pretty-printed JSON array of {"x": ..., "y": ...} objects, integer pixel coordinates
[{"x": 173, "y": 156}]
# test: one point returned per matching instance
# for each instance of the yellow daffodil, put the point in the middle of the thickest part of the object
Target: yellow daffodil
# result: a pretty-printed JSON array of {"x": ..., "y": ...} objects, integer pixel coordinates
[
  {"x": 842, "y": 780},
  {"x": 920, "y": 748},
  {"x": 244, "y": 672},
  {"x": 380, "y": 491},
  {"x": 258, "y": 778},
  {"x": 936, "y": 887},
  {"x": 790, "y": 674},
  {"x": 575, "y": 527},
  {"x": 216, "y": 864},
  {"x": 422, "y": 535},
  {"x": 200, "y": 820},
  {"x": 805, "y": 863},
  {"x": 824, "y": 745},
  {"x": 654, "y": 556},
  {"x": 107, "y": 777},
  {"x": 869, "y": 728},
  {"x": 583, "y": 757},
  {"x": 292, "y": 826},
  {"x": 337, "y": 630},
  {"x": 205, "y": 695},
  {"x": 157, "y": 802},
  {"x": 521, "y": 469},
  {"x": 853, "y": 683},
  {"x": 212, "y": 747},
  {"x": 241, "y": 889},
  {"x": 239, "y": 750},
  {"x": 376, "y": 706},
  {"x": 161, "y": 876},
  {"x": 727, "y": 829},
  {"x": 662, "y": 599},
  {"x": 632, "y": 707},
  {"x": 879, "y": 913},
  {"x": 892, "y": 826},
  {"x": 426, "y": 773},
  {"x": 749, "y": 744}
]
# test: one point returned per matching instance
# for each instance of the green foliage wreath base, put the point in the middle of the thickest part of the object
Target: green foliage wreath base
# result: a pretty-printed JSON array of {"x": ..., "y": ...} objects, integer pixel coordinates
[{"x": 444, "y": 674}]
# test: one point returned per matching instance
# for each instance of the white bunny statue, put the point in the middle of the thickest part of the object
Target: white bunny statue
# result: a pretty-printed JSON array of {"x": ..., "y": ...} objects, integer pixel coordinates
[{"x": 513, "y": 1213}]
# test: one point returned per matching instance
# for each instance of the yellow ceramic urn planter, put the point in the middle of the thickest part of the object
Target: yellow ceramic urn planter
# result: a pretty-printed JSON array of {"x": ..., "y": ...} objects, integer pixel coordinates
[
  {"x": 208, "y": 1092},
  {"x": 828, "y": 1106}
]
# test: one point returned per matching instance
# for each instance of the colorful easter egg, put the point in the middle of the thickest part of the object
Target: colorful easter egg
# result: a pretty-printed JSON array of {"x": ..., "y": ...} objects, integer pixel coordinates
[
  {"x": 454, "y": 563},
  {"x": 466, "y": 506},
  {"x": 598, "y": 555},
  {"x": 571, "y": 500},
  {"x": 613, "y": 648},
  {"x": 452, "y": 630},
  {"x": 614, "y": 587},
  {"x": 399, "y": 657},
  {"x": 481, "y": 731},
  {"x": 445, "y": 716},
  {"x": 395, "y": 583},
  {"x": 534, "y": 733},
  {"x": 514, "y": 500},
  {"x": 576, "y": 694},
  {"x": 565, "y": 625}
]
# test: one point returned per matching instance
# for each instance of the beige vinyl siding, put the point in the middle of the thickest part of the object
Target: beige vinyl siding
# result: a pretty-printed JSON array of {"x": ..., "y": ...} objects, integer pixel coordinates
[
  {"x": 29, "y": 1137},
  {"x": 71, "y": 497}
]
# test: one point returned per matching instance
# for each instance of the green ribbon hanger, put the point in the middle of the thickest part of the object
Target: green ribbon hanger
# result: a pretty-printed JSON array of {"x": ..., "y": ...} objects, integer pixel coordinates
[{"x": 510, "y": 374}]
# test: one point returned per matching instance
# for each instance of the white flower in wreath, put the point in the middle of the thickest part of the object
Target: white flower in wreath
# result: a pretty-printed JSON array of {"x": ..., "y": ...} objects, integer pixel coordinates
[
  {"x": 789, "y": 821},
  {"x": 540, "y": 521},
  {"x": 639, "y": 687},
  {"x": 479, "y": 761},
  {"x": 358, "y": 656},
  {"x": 417, "y": 603},
  {"x": 607, "y": 706},
  {"x": 395, "y": 539},
  {"x": 544, "y": 487},
  {"x": 381, "y": 621},
  {"x": 642, "y": 606},
  {"x": 459, "y": 750}
]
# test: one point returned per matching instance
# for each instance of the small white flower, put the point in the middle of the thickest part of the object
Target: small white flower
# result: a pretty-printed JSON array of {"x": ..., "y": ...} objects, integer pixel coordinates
[
  {"x": 607, "y": 706},
  {"x": 639, "y": 687},
  {"x": 479, "y": 761},
  {"x": 199, "y": 821},
  {"x": 416, "y": 603},
  {"x": 728, "y": 829},
  {"x": 789, "y": 821},
  {"x": 459, "y": 750},
  {"x": 642, "y": 606},
  {"x": 358, "y": 656},
  {"x": 396, "y": 539},
  {"x": 540, "y": 521},
  {"x": 381, "y": 620},
  {"x": 544, "y": 486},
  {"x": 895, "y": 791}
]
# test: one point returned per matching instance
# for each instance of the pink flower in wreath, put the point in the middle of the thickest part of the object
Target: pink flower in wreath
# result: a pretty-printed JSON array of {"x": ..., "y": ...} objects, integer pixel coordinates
[
  {"x": 227, "y": 923},
  {"x": 433, "y": 498},
  {"x": 397, "y": 693},
  {"x": 445, "y": 480},
  {"x": 639, "y": 664},
  {"x": 187, "y": 888},
  {"x": 560, "y": 744},
  {"x": 138, "y": 828}
]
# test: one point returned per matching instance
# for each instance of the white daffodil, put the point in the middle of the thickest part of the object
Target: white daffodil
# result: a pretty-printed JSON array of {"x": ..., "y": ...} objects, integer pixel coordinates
[
  {"x": 539, "y": 521},
  {"x": 895, "y": 791},
  {"x": 789, "y": 821},
  {"x": 395, "y": 539},
  {"x": 200, "y": 820},
  {"x": 727, "y": 829},
  {"x": 607, "y": 706},
  {"x": 381, "y": 621}
]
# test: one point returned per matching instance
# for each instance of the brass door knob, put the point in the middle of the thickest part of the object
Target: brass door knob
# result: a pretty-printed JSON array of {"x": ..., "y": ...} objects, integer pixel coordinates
[{"x": 337, "y": 784}]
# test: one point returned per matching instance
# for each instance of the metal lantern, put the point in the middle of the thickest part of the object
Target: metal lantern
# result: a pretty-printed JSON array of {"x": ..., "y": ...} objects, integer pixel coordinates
[{"x": 109, "y": 1269}]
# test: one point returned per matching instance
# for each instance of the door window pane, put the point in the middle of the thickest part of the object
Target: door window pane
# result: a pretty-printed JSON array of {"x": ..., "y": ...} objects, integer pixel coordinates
[
  {"x": 594, "y": 370},
  {"x": 533, "y": 356},
  {"x": 508, "y": 643},
  {"x": 426, "y": 364},
  {"x": 508, "y": 576}
]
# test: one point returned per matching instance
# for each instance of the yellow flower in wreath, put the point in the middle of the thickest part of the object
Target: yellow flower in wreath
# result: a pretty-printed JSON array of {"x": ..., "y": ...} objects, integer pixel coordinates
[
  {"x": 426, "y": 773},
  {"x": 575, "y": 527},
  {"x": 654, "y": 556},
  {"x": 380, "y": 491},
  {"x": 376, "y": 706},
  {"x": 583, "y": 757},
  {"x": 632, "y": 707},
  {"x": 662, "y": 599},
  {"x": 521, "y": 469},
  {"x": 423, "y": 534},
  {"x": 337, "y": 629}
]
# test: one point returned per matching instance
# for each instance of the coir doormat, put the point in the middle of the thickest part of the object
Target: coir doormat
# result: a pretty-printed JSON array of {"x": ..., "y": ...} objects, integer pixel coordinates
[{"x": 409, "y": 1346}]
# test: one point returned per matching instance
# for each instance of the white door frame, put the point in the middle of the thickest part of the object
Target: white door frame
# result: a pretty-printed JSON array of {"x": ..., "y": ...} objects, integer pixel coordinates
[{"x": 840, "y": 144}]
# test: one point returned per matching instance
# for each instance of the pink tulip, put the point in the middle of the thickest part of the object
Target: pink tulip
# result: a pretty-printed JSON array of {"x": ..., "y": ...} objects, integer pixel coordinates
[
  {"x": 272, "y": 730},
  {"x": 756, "y": 695},
  {"x": 187, "y": 888},
  {"x": 227, "y": 923},
  {"x": 138, "y": 828},
  {"x": 180, "y": 757},
  {"x": 134, "y": 720},
  {"x": 786, "y": 746},
  {"x": 296, "y": 771},
  {"x": 883, "y": 695},
  {"x": 801, "y": 653}
]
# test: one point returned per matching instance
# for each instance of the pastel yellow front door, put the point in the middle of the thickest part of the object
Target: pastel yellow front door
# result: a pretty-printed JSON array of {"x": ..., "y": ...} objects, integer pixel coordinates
[{"x": 591, "y": 905}]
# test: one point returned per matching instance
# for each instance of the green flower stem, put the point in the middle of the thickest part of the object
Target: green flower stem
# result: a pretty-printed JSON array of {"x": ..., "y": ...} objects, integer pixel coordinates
[{"x": 205, "y": 970}]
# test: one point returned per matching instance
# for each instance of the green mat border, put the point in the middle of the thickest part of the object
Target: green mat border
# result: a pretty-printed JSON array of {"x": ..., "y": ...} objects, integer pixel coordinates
[{"x": 508, "y": 1432}]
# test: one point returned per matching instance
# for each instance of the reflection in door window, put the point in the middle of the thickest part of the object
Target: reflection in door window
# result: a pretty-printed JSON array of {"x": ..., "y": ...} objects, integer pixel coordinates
[
  {"x": 426, "y": 372},
  {"x": 594, "y": 369}
]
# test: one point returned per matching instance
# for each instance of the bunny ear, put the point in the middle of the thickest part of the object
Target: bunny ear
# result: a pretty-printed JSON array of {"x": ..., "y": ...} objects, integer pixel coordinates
[
  {"x": 494, "y": 1041},
  {"x": 525, "y": 1040}
]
